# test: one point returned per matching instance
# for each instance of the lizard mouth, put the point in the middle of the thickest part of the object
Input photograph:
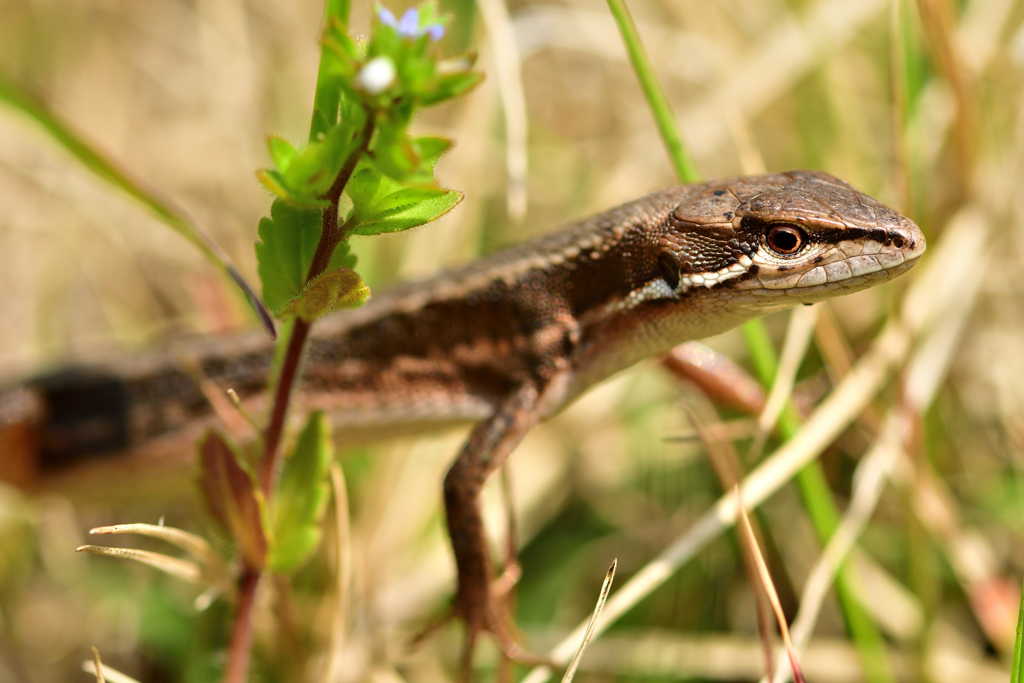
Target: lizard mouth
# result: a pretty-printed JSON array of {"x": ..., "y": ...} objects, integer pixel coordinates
[{"x": 863, "y": 258}]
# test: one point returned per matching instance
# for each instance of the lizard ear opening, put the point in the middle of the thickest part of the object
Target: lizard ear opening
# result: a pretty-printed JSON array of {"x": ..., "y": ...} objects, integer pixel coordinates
[{"x": 669, "y": 268}]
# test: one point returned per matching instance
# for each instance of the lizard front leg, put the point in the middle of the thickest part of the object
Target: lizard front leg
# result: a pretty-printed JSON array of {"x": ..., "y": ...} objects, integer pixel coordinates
[{"x": 486, "y": 450}]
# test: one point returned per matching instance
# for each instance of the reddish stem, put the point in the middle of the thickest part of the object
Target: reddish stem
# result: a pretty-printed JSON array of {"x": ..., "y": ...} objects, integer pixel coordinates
[
  {"x": 278, "y": 414},
  {"x": 330, "y": 236},
  {"x": 241, "y": 633}
]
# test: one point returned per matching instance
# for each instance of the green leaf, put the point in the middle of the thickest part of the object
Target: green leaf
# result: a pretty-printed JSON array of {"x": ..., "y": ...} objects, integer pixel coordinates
[
  {"x": 304, "y": 175},
  {"x": 337, "y": 65},
  {"x": 284, "y": 254},
  {"x": 328, "y": 292},
  {"x": 395, "y": 155},
  {"x": 341, "y": 258},
  {"x": 337, "y": 9},
  {"x": 450, "y": 86},
  {"x": 370, "y": 184},
  {"x": 273, "y": 181},
  {"x": 232, "y": 496},
  {"x": 431, "y": 149},
  {"x": 382, "y": 204},
  {"x": 281, "y": 151},
  {"x": 301, "y": 497},
  {"x": 285, "y": 251},
  {"x": 404, "y": 215},
  {"x": 316, "y": 165}
]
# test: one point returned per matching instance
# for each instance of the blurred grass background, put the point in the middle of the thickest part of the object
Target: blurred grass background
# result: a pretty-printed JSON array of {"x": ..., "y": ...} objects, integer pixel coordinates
[{"x": 182, "y": 95}]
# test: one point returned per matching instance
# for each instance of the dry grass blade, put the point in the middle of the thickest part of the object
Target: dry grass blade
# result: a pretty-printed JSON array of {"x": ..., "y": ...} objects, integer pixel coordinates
[
  {"x": 97, "y": 665},
  {"x": 726, "y": 463},
  {"x": 769, "y": 586},
  {"x": 606, "y": 588},
  {"x": 925, "y": 369},
  {"x": 508, "y": 69},
  {"x": 183, "y": 569},
  {"x": 104, "y": 673},
  {"x": 343, "y": 573},
  {"x": 196, "y": 546}
]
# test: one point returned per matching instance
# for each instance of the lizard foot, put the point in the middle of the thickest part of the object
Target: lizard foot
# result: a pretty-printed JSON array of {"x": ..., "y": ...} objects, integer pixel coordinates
[
  {"x": 493, "y": 616},
  {"x": 490, "y": 615}
]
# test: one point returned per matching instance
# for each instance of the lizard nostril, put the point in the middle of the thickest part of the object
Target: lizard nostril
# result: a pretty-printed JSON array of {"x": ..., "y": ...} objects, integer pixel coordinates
[{"x": 897, "y": 242}]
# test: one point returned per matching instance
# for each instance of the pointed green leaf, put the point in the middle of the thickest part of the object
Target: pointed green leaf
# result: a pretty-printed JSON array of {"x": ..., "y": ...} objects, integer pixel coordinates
[
  {"x": 316, "y": 165},
  {"x": 431, "y": 148},
  {"x": 301, "y": 497},
  {"x": 326, "y": 293},
  {"x": 450, "y": 86},
  {"x": 411, "y": 215},
  {"x": 338, "y": 57},
  {"x": 273, "y": 181},
  {"x": 394, "y": 153},
  {"x": 232, "y": 496},
  {"x": 281, "y": 151},
  {"x": 403, "y": 199}
]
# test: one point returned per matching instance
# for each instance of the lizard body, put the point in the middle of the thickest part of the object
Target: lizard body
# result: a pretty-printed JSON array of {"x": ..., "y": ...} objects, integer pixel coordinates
[{"x": 510, "y": 339}]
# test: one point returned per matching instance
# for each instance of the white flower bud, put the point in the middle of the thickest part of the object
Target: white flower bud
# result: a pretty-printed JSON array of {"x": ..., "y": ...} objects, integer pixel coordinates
[{"x": 376, "y": 75}]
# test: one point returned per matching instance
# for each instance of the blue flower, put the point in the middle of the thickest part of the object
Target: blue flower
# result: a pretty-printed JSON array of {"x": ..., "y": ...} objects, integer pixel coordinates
[{"x": 409, "y": 25}]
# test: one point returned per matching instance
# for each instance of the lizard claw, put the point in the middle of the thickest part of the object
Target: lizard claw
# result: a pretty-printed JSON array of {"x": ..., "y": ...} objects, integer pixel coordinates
[{"x": 487, "y": 616}]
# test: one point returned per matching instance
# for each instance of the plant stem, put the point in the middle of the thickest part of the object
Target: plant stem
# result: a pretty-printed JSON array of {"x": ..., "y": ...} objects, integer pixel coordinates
[
  {"x": 282, "y": 394},
  {"x": 241, "y": 632},
  {"x": 331, "y": 234},
  {"x": 248, "y": 581}
]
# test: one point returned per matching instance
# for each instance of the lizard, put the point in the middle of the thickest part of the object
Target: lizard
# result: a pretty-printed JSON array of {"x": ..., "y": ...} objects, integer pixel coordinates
[{"x": 505, "y": 341}]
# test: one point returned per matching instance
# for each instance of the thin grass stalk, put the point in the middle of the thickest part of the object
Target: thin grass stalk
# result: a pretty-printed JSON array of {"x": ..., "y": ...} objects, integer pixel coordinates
[
  {"x": 508, "y": 67},
  {"x": 1017, "y": 667},
  {"x": 679, "y": 155},
  {"x": 899, "y": 92}
]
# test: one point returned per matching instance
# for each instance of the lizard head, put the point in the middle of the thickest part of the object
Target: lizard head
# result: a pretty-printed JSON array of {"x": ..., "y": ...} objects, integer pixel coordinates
[{"x": 769, "y": 242}]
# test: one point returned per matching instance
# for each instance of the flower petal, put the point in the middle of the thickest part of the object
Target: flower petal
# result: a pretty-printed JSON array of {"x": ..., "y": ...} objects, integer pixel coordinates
[
  {"x": 409, "y": 25},
  {"x": 436, "y": 31},
  {"x": 386, "y": 16}
]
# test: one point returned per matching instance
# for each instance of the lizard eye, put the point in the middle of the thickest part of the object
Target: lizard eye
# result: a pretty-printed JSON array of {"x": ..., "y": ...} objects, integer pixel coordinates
[{"x": 785, "y": 239}]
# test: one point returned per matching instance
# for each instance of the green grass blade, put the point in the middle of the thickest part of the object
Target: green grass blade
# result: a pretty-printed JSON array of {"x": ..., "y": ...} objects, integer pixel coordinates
[
  {"x": 1017, "y": 667},
  {"x": 326, "y": 98},
  {"x": 685, "y": 169},
  {"x": 104, "y": 168},
  {"x": 337, "y": 8}
]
